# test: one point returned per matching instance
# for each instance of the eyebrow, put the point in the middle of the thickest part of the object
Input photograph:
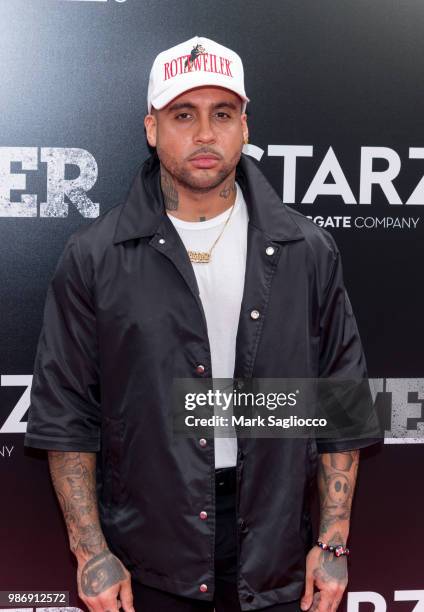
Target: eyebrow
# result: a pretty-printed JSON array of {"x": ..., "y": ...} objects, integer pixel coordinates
[{"x": 180, "y": 105}]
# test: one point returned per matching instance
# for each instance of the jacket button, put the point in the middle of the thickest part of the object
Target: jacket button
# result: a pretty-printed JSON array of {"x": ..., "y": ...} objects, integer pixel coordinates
[
  {"x": 200, "y": 368},
  {"x": 202, "y": 442},
  {"x": 203, "y": 588},
  {"x": 161, "y": 240},
  {"x": 270, "y": 250},
  {"x": 203, "y": 515},
  {"x": 255, "y": 314}
]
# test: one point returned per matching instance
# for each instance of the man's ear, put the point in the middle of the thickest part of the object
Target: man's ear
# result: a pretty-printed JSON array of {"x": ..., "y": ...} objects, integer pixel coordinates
[
  {"x": 150, "y": 123},
  {"x": 245, "y": 128}
]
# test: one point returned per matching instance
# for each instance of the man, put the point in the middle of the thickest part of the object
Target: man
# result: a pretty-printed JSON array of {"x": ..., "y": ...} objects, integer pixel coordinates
[{"x": 201, "y": 271}]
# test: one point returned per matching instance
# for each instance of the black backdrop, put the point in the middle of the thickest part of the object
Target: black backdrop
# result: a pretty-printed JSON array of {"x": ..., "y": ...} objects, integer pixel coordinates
[{"x": 341, "y": 79}]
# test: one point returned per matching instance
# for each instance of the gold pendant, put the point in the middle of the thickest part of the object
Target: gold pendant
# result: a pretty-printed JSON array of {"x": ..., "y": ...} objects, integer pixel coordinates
[{"x": 199, "y": 256}]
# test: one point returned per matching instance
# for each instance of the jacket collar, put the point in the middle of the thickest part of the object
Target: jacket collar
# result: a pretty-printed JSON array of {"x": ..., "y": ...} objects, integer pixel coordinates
[{"x": 144, "y": 208}]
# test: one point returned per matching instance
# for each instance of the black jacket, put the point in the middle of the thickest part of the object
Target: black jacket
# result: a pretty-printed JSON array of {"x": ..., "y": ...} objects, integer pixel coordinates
[{"x": 123, "y": 317}]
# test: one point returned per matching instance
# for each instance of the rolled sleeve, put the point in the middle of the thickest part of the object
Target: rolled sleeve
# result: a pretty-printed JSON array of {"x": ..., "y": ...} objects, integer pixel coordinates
[
  {"x": 64, "y": 412},
  {"x": 342, "y": 357}
]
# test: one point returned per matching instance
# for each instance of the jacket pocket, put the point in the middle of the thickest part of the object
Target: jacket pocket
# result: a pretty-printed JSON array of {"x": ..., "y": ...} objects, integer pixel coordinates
[{"x": 113, "y": 434}]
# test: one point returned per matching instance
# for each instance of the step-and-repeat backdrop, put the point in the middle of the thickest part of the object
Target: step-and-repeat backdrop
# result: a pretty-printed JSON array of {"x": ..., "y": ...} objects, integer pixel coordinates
[{"x": 336, "y": 124}]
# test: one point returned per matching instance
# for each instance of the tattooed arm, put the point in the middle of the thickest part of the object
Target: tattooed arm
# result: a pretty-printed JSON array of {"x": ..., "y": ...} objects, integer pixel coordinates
[
  {"x": 104, "y": 584},
  {"x": 336, "y": 483}
]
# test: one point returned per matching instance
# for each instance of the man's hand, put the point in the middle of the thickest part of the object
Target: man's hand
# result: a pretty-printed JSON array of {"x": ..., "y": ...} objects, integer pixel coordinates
[
  {"x": 104, "y": 584},
  {"x": 329, "y": 574}
]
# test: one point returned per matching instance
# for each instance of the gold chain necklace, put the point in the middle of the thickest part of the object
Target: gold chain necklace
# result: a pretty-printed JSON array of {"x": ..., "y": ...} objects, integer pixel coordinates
[{"x": 205, "y": 256}]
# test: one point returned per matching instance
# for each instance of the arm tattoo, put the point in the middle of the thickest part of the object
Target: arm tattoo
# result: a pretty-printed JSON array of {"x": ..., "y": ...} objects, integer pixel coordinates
[
  {"x": 336, "y": 483},
  {"x": 170, "y": 193},
  {"x": 227, "y": 190},
  {"x": 74, "y": 480}
]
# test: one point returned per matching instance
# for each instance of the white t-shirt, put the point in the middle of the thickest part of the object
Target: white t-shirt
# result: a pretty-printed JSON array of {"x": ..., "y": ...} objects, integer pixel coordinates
[{"x": 221, "y": 284}]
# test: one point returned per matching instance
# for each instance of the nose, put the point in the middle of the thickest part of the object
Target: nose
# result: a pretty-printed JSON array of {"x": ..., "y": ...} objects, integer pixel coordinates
[{"x": 204, "y": 130}]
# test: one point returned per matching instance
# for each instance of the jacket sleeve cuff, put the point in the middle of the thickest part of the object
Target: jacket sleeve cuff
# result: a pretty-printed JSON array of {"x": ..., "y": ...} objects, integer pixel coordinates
[
  {"x": 91, "y": 445},
  {"x": 335, "y": 446}
]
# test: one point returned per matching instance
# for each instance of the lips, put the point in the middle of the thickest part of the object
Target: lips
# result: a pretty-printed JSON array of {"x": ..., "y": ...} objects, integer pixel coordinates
[{"x": 204, "y": 160}]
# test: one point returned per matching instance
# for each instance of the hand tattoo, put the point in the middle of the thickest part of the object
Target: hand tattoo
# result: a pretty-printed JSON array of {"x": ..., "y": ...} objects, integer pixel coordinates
[
  {"x": 331, "y": 568},
  {"x": 100, "y": 573}
]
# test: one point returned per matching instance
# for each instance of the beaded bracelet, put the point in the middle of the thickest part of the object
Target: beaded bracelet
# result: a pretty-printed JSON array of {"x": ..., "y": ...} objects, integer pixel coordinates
[{"x": 338, "y": 549}]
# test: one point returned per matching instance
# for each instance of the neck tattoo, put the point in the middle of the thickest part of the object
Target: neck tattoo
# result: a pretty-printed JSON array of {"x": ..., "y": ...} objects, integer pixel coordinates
[
  {"x": 228, "y": 190},
  {"x": 170, "y": 194}
]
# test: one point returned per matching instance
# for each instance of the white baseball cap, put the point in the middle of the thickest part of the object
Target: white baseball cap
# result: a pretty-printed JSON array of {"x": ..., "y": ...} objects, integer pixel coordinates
[{"x": 196, "y": 62}]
